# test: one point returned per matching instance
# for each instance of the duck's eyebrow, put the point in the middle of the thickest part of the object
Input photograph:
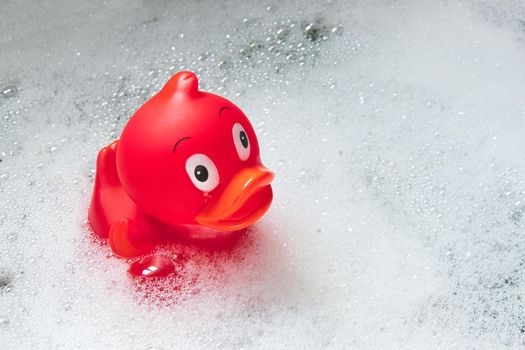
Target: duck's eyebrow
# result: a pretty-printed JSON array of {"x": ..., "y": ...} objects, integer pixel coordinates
[
  {"x": 182, "y": 139},
  {"x": 222, "y": 109}
]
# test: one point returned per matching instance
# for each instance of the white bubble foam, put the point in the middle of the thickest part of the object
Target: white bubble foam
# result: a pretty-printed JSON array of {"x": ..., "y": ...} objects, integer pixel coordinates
[{"x": 396, "y": 134}]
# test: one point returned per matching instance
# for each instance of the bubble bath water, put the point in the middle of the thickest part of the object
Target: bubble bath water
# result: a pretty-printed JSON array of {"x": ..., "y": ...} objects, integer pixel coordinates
[{"x": 396, "y": 133}]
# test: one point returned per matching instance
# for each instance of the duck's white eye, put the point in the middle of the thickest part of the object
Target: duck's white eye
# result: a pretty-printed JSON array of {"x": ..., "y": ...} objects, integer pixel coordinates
[
  {"x": 240, "y": 139},
  {"x": 202, "y": 172}
]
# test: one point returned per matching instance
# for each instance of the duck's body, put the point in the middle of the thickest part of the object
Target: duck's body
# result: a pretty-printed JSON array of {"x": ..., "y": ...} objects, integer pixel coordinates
[
  {"x": 186, "y": 160},
  {"x": 114, "y": 215}
]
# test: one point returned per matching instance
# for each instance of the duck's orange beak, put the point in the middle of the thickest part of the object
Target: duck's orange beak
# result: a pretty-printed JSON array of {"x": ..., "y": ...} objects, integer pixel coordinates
[{"x": 244, "y": 200}]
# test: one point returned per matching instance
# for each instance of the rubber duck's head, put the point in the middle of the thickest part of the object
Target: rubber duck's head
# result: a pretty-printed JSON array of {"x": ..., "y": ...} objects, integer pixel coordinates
[{"x": 192, "y": 157}]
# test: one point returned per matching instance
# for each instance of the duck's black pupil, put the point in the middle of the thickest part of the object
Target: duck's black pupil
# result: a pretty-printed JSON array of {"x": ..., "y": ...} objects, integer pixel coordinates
[
  {"x": 244, "y": 139},
  {"x": 201, "y": 173}
]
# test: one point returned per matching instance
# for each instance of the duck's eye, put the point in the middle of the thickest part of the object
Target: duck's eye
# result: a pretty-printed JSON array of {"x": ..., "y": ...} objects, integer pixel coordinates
[
  {"x": 240, "y": 139},
  {"x": 244, "y": 139},
  {"x": 202, "y": 172}
]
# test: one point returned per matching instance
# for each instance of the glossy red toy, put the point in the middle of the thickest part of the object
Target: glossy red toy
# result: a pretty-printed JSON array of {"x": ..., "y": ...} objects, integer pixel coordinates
[{"x": 187, "y": 165}]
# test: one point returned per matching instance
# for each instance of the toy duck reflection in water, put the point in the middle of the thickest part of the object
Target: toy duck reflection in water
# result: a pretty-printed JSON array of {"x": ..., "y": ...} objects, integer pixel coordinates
[{"x": 187, "y": 163}]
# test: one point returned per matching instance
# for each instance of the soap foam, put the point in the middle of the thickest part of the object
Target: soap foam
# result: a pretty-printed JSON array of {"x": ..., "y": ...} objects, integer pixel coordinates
[{"x": 394, "y": 129}]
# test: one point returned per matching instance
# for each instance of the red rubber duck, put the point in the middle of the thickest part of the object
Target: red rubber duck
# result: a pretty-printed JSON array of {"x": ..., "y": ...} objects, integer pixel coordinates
[{"x": 187, "y": 165}]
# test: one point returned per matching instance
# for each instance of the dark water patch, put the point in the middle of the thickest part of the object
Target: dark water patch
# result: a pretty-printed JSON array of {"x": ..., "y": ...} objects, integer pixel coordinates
[
  {"x": 317, "y": 30},
  {"x": 9, "y": 91},
  {"x": 5, "y": 282}
]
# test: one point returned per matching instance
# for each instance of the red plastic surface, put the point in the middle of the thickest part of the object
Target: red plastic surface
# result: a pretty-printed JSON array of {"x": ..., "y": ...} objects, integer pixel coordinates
[
  {"x": 187, "y": 165},
  {"x": 152, "y": 266}
]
